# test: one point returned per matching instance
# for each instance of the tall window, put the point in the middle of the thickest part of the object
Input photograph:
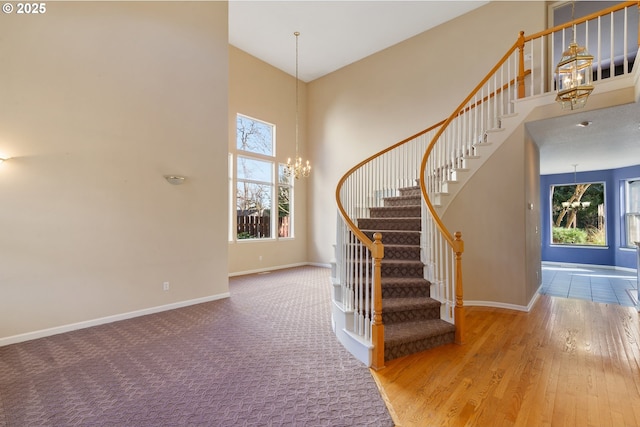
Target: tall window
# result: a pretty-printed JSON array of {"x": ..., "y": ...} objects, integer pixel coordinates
[
  {"x": 285, "y": 202},
  {"x": 578, "y": 214},
  {"x": 257, "y": 191},
  {"x": 632, "y": 214}
]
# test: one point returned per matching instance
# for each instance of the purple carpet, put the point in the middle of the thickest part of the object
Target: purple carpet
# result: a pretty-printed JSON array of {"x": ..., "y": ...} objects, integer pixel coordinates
[{"x": 264, "y": 357}]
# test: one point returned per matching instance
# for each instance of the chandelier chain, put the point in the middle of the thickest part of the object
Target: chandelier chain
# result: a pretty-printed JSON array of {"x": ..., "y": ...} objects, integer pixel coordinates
[{"x": 296, "y": 168}]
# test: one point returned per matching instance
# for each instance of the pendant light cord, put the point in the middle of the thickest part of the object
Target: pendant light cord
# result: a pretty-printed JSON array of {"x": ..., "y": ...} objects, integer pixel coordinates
[{"x": 297, "y": 155}]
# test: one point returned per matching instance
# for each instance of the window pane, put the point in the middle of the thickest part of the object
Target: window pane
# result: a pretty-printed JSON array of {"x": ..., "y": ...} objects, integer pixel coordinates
[
  {"x": 282, "y": 178},
  {"x": 578, "y": 214},
  {"x": 632, "y": 216},
  {"x": 284, "y": 212},
  {"x": 254, "y": 136},
  {"x": 633, "y": 197},
  {"x": 253, "y": 210},
  {"x": 633, "y": 228},
  {"x": 253, "y": 169}
]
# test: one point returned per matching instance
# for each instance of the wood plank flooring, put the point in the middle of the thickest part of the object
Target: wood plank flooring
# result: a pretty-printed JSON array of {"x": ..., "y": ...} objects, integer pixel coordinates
[{"x": 566, "y": 363}]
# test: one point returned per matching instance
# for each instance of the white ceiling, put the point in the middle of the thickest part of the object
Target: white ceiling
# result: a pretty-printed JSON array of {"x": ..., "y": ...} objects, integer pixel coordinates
[
  {"x": 336, "y": 33},
  {"x": 333, "y": 34},
  {"x": 612, "y": 140}
]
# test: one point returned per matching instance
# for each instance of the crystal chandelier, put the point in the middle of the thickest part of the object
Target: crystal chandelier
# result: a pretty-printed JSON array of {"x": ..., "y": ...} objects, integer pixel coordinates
[
  {"x": 297, "y": 167},
  {"x": 573, "y": 74}
]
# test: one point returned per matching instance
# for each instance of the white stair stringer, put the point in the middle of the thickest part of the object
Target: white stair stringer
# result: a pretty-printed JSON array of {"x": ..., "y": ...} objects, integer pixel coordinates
[
  {"x": 341, "y": 323},
  {"x": 494, "y": 139},
  {"x": 510, "y": 123}
]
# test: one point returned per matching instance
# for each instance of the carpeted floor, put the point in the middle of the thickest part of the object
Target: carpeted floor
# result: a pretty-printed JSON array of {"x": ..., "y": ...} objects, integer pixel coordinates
[{"x": 264, "y": 357}]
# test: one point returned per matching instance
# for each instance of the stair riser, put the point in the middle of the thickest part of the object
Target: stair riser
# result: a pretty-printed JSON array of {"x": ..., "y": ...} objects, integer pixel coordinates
[
  {"x": 404, "y": 349},
  {"x": 404, "y": 224},
  {"x": 415, "y": 270},
  {"x": 405, "y": 292},
  {"x": 412, "y": 315},
  {"x": 411, "y": 192},
  {"x": 398, "y": 237},
  {"x": 409, "y": 253},
  {"x": 405, "y": 270},
  {"x": 395, "y": 212}
]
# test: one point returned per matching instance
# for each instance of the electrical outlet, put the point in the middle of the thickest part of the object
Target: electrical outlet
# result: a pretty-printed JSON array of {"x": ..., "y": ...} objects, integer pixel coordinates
[
  {"x": 165, "y": 286},
  {"x": 260, "y": 258}
]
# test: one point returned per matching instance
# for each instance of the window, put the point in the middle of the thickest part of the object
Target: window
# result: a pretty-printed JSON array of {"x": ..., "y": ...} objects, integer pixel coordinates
[
  {"x": 255, "y": 187},
  {"x": 285, "y": 201},
  {"x": 578, "y": 214},
  {"x": 632, "y": 212}
]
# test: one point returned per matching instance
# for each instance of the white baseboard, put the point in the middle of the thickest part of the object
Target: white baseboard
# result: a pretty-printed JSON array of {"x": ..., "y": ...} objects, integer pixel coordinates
[
  {"x": 14, "y": 339},
  {"x": 277, "y": 267},
  {"x": 586, "y": 266},
  {"x": 495, "y": 304}
]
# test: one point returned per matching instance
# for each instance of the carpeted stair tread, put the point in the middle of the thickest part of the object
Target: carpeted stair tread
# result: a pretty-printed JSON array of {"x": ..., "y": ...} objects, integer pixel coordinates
[
  {"x": 411, "y": 191},
  {"x": 401, "y": 261},
  {"x": 395, "y": 334},
  {"x": 391, "y": 223},
  {"x": 405, "y": 281}
]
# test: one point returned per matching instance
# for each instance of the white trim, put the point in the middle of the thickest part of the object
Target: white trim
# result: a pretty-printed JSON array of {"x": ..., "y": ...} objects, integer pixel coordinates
[
  {"x": 278, "y": 267},
  {"x": 108, "y": 319},
  {"x": 575, "y": 265},
  {"x": 495, "y": 304},
  {"x": 319, "y": 264},
  {"x": 526, "y": 308}
]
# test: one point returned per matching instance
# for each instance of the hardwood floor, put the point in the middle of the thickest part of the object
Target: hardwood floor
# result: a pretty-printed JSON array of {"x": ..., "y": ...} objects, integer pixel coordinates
[{"x": 566, "y": 363}]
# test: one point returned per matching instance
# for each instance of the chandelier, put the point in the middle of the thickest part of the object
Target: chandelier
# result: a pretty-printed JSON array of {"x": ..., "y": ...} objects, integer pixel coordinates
[
  {"x": 573, "y": 74},
  {"x": 575, "y": 205},
  {"x": 297, "y": 167}
]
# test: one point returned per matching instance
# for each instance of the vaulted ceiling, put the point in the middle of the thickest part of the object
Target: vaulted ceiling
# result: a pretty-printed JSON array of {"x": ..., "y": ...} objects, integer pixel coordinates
[{"x": 334, "y": 34}]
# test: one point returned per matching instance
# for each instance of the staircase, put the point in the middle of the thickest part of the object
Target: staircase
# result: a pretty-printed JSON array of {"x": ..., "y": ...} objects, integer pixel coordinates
[
  {"x": 411, "y": 317},
  {"x": 383, "y": 307}
]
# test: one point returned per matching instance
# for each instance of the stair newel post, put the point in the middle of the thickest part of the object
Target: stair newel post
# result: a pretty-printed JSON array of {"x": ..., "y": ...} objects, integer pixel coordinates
[
  {"x": 377, "y": 327},
  {"x": 458, "y": 249},
  {"x": 521, "y": 70}
]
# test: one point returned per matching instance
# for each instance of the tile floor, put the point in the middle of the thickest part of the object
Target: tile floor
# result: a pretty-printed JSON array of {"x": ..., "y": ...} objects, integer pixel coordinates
[{"x": 594, "y": 284}]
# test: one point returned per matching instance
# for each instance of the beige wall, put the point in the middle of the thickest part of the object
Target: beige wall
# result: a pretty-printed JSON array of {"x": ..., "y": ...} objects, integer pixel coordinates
[
  {"x": 261, "y": 91},
  {"x": 98, "y": 101},
  {"x": 384, "y": 98},
  {"x": 491, "y": 211}
]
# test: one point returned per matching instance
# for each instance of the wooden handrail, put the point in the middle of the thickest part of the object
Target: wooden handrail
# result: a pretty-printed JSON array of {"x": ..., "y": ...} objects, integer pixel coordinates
[
  {"x": 578, "y": 21},
  {"x": 360, "y": 235}
]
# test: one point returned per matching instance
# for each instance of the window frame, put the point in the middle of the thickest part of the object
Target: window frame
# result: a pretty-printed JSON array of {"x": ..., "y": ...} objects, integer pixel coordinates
[
  {"x": 629, "y": 213},
  {"x": 551, "y": 214},
  {"x": 273, "y": 182}
]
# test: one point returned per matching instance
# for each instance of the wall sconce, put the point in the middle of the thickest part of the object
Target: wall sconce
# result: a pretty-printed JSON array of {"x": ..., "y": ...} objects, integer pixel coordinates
[
  {"x": 174, "y": 179},
  {"x": 3, "y": 159}
]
